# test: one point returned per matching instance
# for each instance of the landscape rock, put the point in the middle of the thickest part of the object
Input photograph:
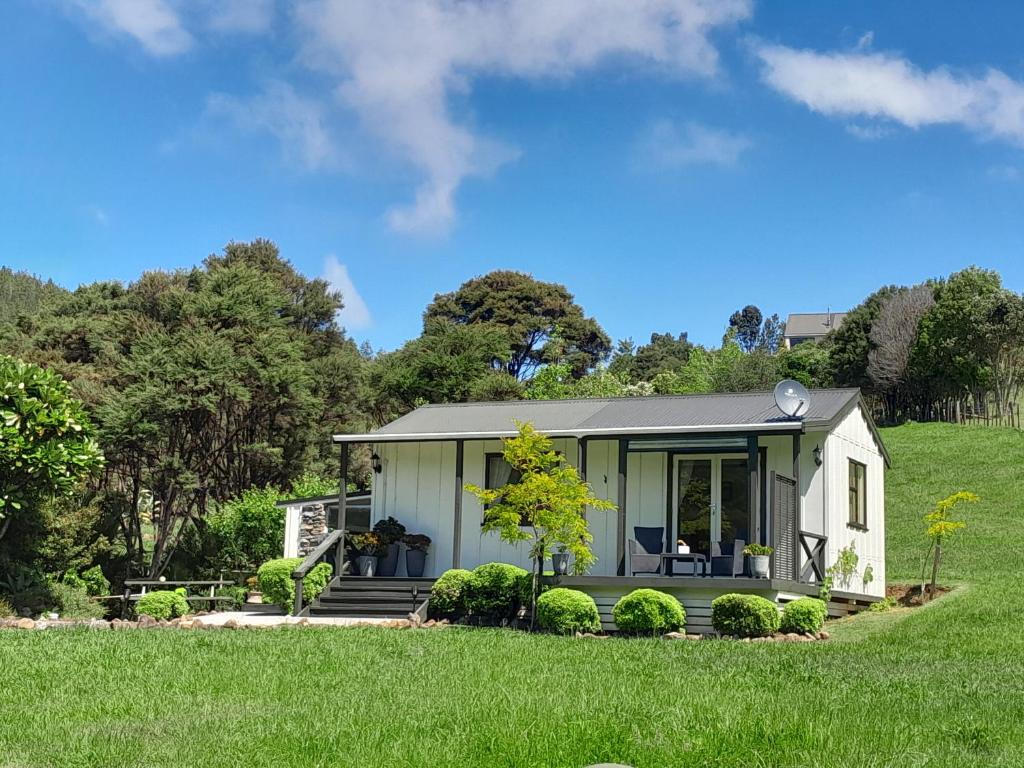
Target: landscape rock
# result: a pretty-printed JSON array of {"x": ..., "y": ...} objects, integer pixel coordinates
[
  {"x": 674, "y": 636},
  {"x": 25, "y": 624},
  {"x": 186, "y": 624},
  {"x": 823, "y": 635},
  {"x": 145, "y": 622},
  {"x": 99, "y": 624},
  {"x": 792, "y": 637},
  {"x": 809, "y": 636},
  {"x": 231, "y": 624}
]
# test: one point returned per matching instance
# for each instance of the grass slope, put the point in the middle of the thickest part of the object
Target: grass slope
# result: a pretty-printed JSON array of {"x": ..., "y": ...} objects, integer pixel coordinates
[{"x": 937, "y": 686}]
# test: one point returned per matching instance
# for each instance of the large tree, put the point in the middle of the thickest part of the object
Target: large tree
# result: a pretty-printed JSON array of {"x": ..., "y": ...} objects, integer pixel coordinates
[
  {"x": 747, "y": 322},
  {"x": 849, "y": 344},
  {"x": 665, "y": 352},
  {"x": 541, "y": 321}
]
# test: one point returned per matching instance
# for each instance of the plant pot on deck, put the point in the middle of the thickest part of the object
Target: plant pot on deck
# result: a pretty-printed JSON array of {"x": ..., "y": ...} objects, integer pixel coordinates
[
  {"x": 388, "y": 565},
  {"x": 415, "y": 562},
  {"x": 759, "y": 566},
  {"x": 560, "y": 563},
  {"x": 367, "y": 565}
]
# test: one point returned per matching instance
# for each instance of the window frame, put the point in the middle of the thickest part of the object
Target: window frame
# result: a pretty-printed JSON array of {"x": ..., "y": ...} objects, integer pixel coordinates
[
  {"x": 488, "y": 456},
  {"x": 857, "y": 518}
]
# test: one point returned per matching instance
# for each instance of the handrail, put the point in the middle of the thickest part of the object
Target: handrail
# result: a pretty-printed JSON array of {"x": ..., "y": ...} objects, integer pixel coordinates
[{"x": 336, "y": 539}]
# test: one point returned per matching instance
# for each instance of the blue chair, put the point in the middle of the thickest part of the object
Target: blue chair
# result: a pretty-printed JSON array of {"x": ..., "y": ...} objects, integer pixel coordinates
[{"x": 646, "y": 548}]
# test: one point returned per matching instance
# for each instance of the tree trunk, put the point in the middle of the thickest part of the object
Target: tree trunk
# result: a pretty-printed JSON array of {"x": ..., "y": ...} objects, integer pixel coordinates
[
  {"x": 935, "y": 569},
  {"x": 538, "y": 569}
]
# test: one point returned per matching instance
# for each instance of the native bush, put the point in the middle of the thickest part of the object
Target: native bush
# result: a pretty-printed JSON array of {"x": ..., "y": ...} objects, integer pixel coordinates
[
  {"x": 807, "y": 614},
  {"x": 496, "y": 590},
  {"x": 162, "y": 604},
  {"x": 566, "y": 611},
  {"x": 647, "y": 611},
  {"x": 237, "y": 595},
  {"x": 449, "y": 593},
  {"x": 278, "y": 587},
  {"x": 95, "y": 582},
  {"x": 247, "y": 530},
  {"x": 744, "y": 615},
  {"x": 6, "y": 609},
  {"x": 71, "y": 601}
]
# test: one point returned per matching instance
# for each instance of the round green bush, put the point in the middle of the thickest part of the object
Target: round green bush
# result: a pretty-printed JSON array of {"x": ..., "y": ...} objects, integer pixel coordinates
[
  {"x": 566, "y": 611},
  {"x": 72, "y": 602},
  {"x": 744, "y": 615},
  {"x": 278, "y": 587},
  {"x": 496, "y": 590},
  {"x": 448, "y": 595},
  {"x": 648, "y": 611},
  {"x": 162, "y": 604},
  {"x": 807, "y": 614}
]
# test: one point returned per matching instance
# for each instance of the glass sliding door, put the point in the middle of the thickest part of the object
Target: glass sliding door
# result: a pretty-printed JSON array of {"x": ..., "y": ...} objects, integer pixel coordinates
[
  {"x": 693, "y": 503},
  {"x": 712, "y": 502}
]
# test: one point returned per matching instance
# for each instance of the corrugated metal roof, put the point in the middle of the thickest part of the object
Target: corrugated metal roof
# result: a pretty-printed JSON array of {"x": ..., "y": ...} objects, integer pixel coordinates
[
  {"x": 813, "y": 323},
  {"x": 626, "y": 415}
]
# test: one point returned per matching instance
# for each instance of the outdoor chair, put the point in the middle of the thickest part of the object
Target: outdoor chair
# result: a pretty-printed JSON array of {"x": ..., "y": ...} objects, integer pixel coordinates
[
  {"x": 727, "y": 565},
  {"x": 645, "y": 550}
]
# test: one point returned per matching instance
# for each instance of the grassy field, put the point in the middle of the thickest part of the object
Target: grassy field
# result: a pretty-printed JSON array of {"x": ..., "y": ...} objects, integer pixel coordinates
[{"x": 936, "y": 686}]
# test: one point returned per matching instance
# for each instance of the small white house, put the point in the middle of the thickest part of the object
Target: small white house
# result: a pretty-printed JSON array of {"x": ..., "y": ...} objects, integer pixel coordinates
[{"x": 718, "y": 471}]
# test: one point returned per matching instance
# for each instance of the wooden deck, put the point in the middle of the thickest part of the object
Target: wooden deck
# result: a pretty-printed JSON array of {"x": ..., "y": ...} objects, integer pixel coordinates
[{"x": 696, "y": 593}]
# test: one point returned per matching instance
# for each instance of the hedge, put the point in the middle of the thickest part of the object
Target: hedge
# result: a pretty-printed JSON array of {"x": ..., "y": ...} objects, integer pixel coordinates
[
  {"x": 566, "y": 611},
  {"x": 497, "y": 590},
  {"x": 162, "y": 604},
  {"x": 806, "y": 614},
  {"x": 648, "y": 611},
  {"x": 278, "y": 587},
  {"x": 744, "y": 615},
  {"x": 449, "y": 593}
]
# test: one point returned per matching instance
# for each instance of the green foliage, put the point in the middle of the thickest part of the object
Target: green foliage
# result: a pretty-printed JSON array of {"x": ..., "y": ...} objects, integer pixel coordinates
[
  {"x": 26, "y": 587},
  {"x": 566, "y": 611},
  {"x": 278, "y": 586},
  {"x": 238, "y": 597},
  {"x": 805, "y": 614},
  {"x": 549, "y": 497},
  {"x": 96, "y": 583},
  {"x": 757, "y": 549},
  {"x": 46, "y": 444},
  {"x": 310, "y": 485},
  {"x": 744, "y": 615},
  {"x": 647, "y": 611},
  {"x": 885, "y": 604},
  {"x": 448, "y": 595},
  {"x": 747, "y": 322},
  {"x": 664, "y": 353},
  {"x": 6, "y": 609},
  {"x": 540, "y": 322},
  {"x": 556, "y": 382},
  {"x": 849, "y": 344},
  {"x": 841, "y": 572},
  {"x": 418, "y": 542},
  {"x": 71, "y": 601},
  {"x": 808, "y": 362},
  {"x": 389, "y": 530},
  {"x": 941, "y": 526},
  {"x": 370, "y": 544},
  {"x": 497, "y": 590},
  {"x": 247, "y": 530},
  {"x": 23, "y": 294},
  {"x": 162, "y": 604}
]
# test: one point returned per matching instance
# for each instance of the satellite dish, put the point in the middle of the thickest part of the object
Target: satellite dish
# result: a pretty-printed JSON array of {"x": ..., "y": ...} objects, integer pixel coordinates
[{"x": 792, "y": 398}]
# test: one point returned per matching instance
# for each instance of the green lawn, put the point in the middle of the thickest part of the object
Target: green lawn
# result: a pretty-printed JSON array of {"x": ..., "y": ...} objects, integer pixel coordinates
[{"x": 938, "y": 686}]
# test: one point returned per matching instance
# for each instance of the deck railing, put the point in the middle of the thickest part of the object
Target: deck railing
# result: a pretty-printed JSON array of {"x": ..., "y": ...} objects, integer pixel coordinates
[
  {"x": 334, "y": 540},
  {"x": 813, "y": 545}
]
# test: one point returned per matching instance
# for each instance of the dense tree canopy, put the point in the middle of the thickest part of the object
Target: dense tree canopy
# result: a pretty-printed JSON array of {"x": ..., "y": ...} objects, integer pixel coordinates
[{"x": 541, "y": 321}]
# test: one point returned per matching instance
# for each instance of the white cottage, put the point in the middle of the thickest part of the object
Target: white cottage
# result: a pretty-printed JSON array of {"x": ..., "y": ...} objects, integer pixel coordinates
[{"x": 718, "y": 471}]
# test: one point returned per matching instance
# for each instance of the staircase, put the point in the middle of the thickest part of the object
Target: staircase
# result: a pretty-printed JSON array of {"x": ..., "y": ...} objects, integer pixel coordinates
[{"x": 377, "y": 598}]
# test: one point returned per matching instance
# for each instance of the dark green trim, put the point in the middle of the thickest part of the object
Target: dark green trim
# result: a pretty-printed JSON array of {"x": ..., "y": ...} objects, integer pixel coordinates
[
  {"x": 457, "y": 544},
  {"x": 620, "y": 544}
]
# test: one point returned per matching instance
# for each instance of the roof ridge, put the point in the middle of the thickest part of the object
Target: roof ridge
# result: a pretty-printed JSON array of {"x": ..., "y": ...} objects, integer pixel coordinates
[{"x": 622, "y": 398}]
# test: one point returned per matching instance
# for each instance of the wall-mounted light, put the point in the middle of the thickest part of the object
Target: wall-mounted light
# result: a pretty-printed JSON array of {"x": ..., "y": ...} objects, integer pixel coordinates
[
  {"x": 375, "y": 463},
  {"x": 817, "y": 456}
]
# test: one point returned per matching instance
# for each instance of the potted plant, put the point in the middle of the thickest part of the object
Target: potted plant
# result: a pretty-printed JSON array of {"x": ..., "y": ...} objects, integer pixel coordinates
[
  {"x": 416, "y": 554},
  {"x": 560, "y": 561},
  {"x": 391, "y": 533},
  {"x": 369, "y": 546},
  {"x": 253, "y": 595},
  {"x": 682, "y": 548},
  {"x": 758, "y": 554}
]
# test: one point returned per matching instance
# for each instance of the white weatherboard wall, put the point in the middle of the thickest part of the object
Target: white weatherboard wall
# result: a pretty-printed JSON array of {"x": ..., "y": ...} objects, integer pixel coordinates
[{"x": 852, "y": 439}]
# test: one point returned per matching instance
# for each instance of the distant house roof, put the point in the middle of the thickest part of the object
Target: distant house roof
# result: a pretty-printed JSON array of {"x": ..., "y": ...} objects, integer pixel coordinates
[
  {"x": 597, "y": 417},
  {"x": 812, "y": 324}
]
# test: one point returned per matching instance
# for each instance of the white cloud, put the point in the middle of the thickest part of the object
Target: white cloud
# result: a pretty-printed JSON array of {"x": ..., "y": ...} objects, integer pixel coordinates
[
  {"x": 866, "y": 40},
  {"x": 154, "y": 24},
  {"x": 877, "y": 85},
  {"x": 666, "y": 146},
  {"x": 399, "y": 63},
  {"x": 354, "y": 313},
  {"x": 251, "y": 17},
  {"x": 872, "y": 132},
  {"x": 1010, "y": 173},
  {"x": 298, "y": 122}
]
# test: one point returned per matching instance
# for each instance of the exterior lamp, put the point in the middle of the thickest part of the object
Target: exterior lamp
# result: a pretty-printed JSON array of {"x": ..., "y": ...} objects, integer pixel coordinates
[
  {"x": 817, "y": 456},
  {"x": 375, "y": 463}
]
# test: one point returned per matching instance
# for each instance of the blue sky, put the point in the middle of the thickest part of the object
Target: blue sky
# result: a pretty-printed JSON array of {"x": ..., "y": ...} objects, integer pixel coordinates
[{"x": 668, "y": 161}]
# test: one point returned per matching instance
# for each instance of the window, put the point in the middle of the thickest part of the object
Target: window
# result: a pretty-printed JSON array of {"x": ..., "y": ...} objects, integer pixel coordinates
[
  {"x": 858, "y": 495},
  {"x": 499, "y": 473}
]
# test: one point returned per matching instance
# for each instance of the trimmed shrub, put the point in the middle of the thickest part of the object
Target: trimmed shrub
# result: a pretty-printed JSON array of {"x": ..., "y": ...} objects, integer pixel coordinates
[
  {"x": 449, "y": 593},
  {"x": 237, "y": 595},
  {"x": 278, "y": 587},
  {"x": 566, "y": 611},
  {"x": 162, "y": 604},
  {"x": 72, "y": 602},
  {"x": 806, "y": 614},
  {"x": 744, "y": 615},
  {"x": 648, "y": 611},
  {"x": 496, "y": 590}
]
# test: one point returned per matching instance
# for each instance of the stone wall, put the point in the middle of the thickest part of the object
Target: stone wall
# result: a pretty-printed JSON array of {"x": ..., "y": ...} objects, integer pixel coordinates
[{"x": 312, "y": 528}]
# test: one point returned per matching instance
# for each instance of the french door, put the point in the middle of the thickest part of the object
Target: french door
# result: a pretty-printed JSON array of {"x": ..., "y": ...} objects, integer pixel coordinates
[{"x": 711, "y": 501}]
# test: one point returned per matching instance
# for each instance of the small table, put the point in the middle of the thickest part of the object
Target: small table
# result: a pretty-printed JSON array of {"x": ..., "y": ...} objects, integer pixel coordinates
[{"x": 668, "y": 561}]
